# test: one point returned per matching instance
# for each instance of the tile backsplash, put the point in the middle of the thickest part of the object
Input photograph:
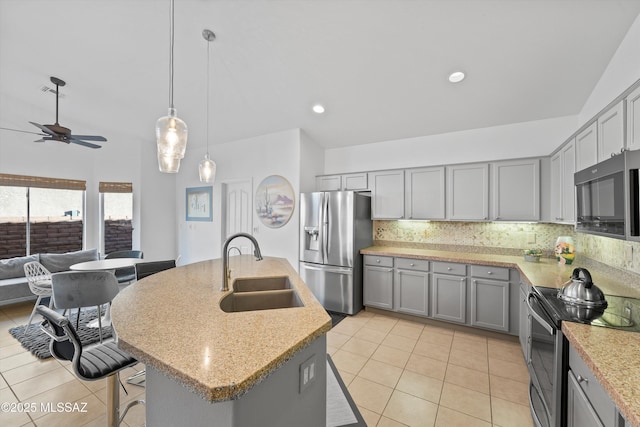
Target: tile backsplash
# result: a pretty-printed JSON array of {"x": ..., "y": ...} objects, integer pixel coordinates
[{"x": 508, "y": 238}]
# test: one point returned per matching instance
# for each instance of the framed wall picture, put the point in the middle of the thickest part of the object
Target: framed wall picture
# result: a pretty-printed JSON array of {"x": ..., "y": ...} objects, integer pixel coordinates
[
  {"x": 274, "y": 201},
  {"x": 199, "y": 204}
]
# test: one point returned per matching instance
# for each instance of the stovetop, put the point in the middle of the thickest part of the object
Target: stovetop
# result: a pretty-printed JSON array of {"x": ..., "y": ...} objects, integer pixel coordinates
[{"x": 621, "y": 313}]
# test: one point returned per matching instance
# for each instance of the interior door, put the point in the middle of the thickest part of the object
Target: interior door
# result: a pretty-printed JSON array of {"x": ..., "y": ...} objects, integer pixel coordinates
[{"x": 238, "y": 213}]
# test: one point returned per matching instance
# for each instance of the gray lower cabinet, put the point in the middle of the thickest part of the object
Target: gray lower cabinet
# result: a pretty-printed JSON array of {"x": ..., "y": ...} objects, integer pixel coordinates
[
  {"x": 411, "y": 286},
  {"x": 588, "y": 404},
  {"x": 490, "y": 304},
  {"x": 378, "y": 282},
  {"x": 449, "y": 298}
]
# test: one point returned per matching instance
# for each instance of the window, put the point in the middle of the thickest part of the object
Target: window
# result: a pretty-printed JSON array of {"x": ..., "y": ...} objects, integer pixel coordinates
[
  {"x": 40, "y": 215},
  {"x": 116, "y": 200}
]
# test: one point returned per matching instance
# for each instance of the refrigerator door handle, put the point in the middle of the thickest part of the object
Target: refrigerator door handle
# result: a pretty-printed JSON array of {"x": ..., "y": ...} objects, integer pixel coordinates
[
  {"x": 338, "y": 270},
  {"x": 325, "y": 228}
]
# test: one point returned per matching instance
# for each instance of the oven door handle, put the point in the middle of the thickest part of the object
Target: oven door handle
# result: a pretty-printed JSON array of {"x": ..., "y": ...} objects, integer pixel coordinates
[{"x": 544, "y": 323}]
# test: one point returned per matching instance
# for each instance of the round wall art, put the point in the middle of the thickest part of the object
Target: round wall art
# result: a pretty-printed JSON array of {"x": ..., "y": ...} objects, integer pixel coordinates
[{"x": 274, "y": 201}]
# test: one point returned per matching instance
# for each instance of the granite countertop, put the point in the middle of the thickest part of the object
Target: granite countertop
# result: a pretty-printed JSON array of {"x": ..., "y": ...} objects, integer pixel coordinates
[
  {"x": 612, "y": 355},
  {"x": 172, "y": 321}
]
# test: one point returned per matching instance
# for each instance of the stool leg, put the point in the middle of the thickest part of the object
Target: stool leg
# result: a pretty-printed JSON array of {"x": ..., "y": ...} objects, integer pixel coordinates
[{"x": 113, "y": 401}]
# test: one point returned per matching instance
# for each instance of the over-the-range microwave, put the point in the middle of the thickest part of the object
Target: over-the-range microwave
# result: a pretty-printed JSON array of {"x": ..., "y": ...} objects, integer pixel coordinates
[{"x": 608, "y": 197}]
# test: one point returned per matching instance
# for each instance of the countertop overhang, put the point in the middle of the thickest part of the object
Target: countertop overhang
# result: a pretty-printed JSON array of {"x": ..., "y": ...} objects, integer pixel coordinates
[
  {"x": 172, "y": 321},
  {"x": 612, "y": 355}
]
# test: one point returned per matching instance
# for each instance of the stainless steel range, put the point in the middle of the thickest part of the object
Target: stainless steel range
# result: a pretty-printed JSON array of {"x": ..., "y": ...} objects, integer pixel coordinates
[{"x": 547, "y": 349}]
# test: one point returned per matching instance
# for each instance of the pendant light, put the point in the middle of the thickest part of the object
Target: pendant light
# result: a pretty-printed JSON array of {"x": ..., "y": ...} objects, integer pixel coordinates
[
  {"x": 207, "y": 167},
  {"x": 171, "y": 131}
]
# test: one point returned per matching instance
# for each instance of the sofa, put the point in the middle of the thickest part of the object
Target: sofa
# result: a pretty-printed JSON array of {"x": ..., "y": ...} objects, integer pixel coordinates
[{"x": 13, "y": 283}]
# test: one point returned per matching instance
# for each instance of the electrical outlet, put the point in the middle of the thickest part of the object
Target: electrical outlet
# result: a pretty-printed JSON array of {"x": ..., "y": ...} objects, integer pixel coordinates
[
  {"x": 307, "y": 373},
  {"x": 628, "y": 253},
  {"x": 531, "y": 238}
]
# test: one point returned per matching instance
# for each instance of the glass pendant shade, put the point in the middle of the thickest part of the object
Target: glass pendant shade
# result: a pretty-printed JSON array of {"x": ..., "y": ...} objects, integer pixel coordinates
[
  {"x": 168, "y": 164},
  {"x": 171, "y": 134},
  {"x": 207, "y": 169}
]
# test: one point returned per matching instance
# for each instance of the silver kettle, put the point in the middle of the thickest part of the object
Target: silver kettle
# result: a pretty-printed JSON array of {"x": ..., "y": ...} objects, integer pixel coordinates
[{"x": 582, "y": 291}]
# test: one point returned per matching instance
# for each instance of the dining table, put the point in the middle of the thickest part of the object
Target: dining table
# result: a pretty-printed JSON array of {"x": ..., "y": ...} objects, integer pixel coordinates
[{"x": 111, "y": 265}]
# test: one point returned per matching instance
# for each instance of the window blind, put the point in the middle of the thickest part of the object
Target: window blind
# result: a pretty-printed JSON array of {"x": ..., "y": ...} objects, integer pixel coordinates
[
  {"x": 41, "y": 182},
  {"x": 115, "y": 187}
]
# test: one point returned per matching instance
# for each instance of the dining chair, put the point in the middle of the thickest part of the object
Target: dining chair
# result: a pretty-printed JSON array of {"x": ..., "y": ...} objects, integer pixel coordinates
[
  {"x": 89, "y": 363},
  {"x": 126, "y": 274},
  {"x": 39, "y": 281},
  {"x": 144, "y": 269},
  {"x": 75, "y": 289}
]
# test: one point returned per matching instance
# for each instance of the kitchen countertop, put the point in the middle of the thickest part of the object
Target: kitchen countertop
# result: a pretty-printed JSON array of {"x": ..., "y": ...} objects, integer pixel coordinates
[
  {"x": 612, "y": 355},
  {"x": 172, "y": 321}
]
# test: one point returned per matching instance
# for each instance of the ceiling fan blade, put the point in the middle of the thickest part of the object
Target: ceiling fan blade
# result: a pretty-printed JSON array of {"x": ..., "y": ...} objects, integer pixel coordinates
[
  {"x": 85, "y": 144},
  {"x": 44, "y": 129},
  {"x": 90, "y": 137},
  {"x": 23, "y": 131}
]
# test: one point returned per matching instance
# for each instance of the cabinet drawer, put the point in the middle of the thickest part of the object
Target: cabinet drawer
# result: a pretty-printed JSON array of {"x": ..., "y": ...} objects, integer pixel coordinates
[
  {"x": 412, "y": 264},
  {"x": 490, "y": 272},
  {"x": 599, "y": 399},
  {"x": 450, "y": 268},
  {"x": 382, "y": 261}
]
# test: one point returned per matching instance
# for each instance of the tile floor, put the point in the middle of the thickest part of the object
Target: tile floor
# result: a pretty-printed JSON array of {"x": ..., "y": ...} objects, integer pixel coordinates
[
  {"x": 399, "y": 373},
  {"x": 403, "y": 373}
]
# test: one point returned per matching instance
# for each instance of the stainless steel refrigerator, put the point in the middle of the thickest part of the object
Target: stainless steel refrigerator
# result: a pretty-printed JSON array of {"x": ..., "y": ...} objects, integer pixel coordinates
[{"x": 334, "y": 226}]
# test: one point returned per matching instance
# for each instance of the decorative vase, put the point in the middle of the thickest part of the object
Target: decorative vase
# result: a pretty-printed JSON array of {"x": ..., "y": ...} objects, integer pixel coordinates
[{"x": 565, "y": 250}]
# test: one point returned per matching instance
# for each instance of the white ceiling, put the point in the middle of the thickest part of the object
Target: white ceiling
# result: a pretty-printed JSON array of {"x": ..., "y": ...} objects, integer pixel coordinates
[{"x": 380, "y": 66}]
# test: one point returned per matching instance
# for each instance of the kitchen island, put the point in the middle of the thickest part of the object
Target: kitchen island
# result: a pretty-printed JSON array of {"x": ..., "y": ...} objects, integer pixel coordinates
[
  {"x": 206, "y": 366},
  {"x": 612, "y": 355}
]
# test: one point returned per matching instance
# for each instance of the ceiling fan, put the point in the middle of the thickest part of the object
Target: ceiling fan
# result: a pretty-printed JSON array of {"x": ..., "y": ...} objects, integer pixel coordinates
[{"x": 55, "y": 132}]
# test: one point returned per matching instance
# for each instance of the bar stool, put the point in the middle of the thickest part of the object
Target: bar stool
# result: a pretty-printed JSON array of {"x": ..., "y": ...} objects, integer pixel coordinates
[
  {"x": 75, "y": 289},
  {"x": 92, "y": 364}
]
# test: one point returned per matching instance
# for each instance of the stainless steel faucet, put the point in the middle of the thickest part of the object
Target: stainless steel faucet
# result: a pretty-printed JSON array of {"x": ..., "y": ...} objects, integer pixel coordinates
[{"x": 226, "y": 273}]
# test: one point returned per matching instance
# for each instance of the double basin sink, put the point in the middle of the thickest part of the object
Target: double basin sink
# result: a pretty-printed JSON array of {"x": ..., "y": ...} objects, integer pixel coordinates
[{"x": 260, "y": 293}]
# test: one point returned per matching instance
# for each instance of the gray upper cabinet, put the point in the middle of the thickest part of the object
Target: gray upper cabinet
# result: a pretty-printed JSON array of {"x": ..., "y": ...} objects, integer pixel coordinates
[
  {"x": 633, "y": 120},
  {"x": 563, "y": 192},
  {"x": 425, "y": 193},
  {"x": 387, "y": 194},
  {"x": 587, "y": 147},
  {"x": 468, "y": 192},
  {"x": 516, "y": 190},
  {"x": 611, "y": 132},
  {"x": 346, "y": 182},
  {"x": 329, "y": 183}
]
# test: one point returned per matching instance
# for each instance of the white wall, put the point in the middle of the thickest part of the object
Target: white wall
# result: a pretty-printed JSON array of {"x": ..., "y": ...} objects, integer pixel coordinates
[
  {"x": 123, "y": 158},
  {"x": 256, "y": 158},
  {"x": 529, "y": 139},
  {"x": 311, "y": 162},
  {"x": 623, "y": 70}
]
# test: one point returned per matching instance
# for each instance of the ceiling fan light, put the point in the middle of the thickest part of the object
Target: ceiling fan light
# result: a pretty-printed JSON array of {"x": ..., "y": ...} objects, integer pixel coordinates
[
  {"x": 207, "y": 169},
  {"x": 168, "y": 164},
  {"x": 171, "y": 134}
]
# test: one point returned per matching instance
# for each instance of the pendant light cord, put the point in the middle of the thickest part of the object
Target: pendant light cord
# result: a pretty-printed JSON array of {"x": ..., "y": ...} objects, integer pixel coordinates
[
  {"x": 171, "y": 23},
  {"x": 208, "y": 94}
]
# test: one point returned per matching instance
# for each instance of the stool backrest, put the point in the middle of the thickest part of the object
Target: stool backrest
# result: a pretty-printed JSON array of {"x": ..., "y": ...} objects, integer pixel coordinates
[
  {"x": 65, "y": 343},
  {"x": 73, "y": 289},
  {"x": 124, "y": 254},
  {"x": 144, "y": 269}
]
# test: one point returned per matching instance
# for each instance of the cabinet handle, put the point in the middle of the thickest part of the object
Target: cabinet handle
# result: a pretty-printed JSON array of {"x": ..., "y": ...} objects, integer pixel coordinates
[
  {"x": 582, "y": 379},
  {"x": 412, "y": 264},
  {"x": 449, "y": 268},
  {"x": 463, "y": 279},
  {"x": 378, "y": 261},
  {"x": 489, "y": 272}
]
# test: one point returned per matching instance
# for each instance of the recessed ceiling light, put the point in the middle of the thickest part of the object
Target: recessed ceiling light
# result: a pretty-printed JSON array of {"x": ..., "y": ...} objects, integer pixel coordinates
[
  {"x": 456, "y": 77},
  {"x": 318, "y": 109}
]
